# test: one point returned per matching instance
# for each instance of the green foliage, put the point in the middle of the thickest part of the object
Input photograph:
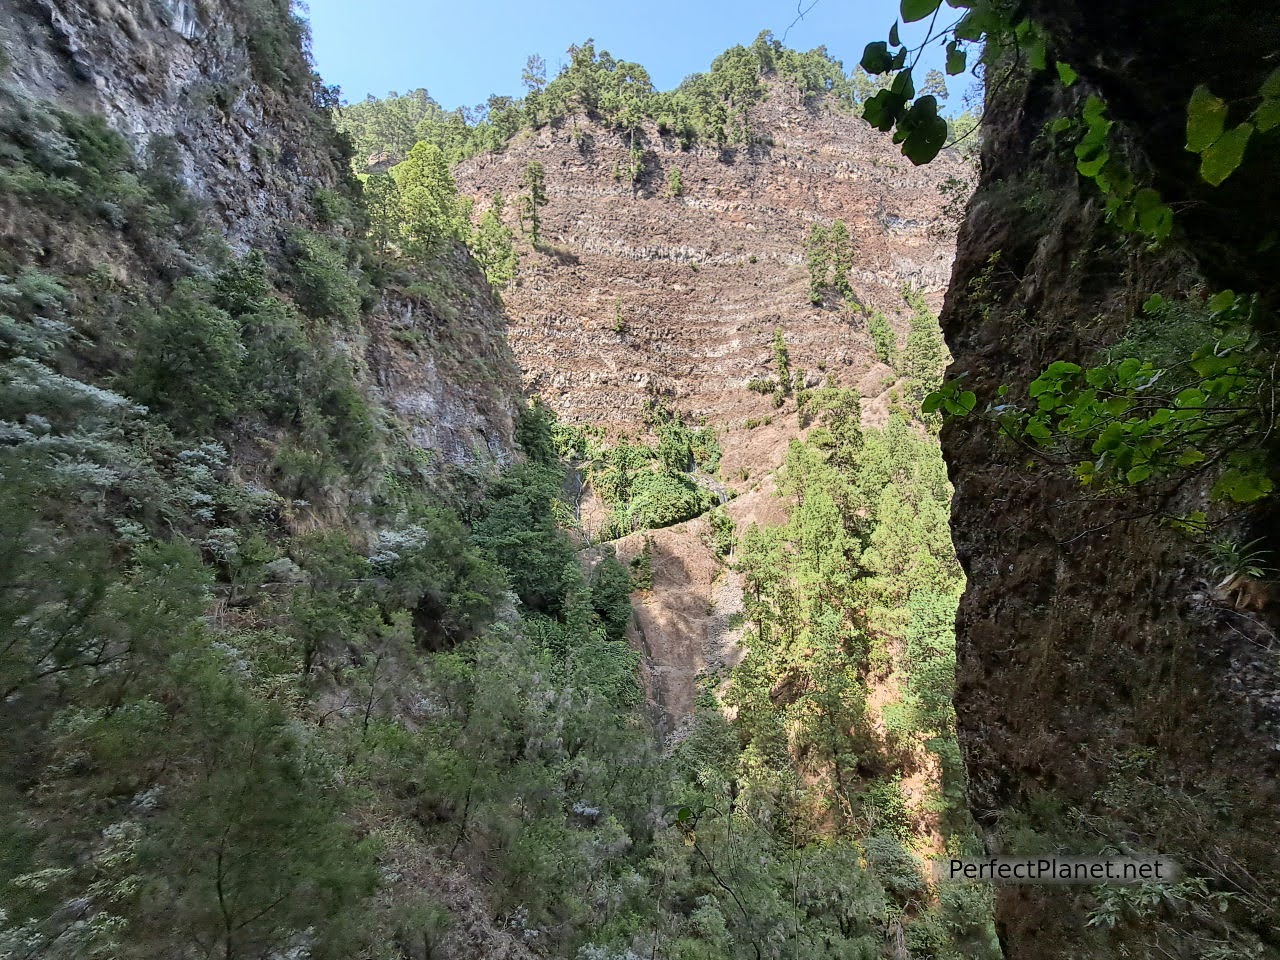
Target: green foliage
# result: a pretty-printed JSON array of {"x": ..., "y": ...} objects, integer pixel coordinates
[
  {"x": 324, "y": 285},
  {"x": 829, "y": 252},
  {"x": 642, "y": 567},
  {"x": 392, "y": 125},
  {"x": 536, "y": 432},
  {"x": 1232, "y": 559},
  {"x": 991, "y": 24},
  {"x": 188, "y": 360},
  {"x": 428, "y": 208},
  {"x": 924, "y": 355},
  {"x": 231, "y": 852},
  {"x": 611, "y": 595},
  {"x": 660, "y": 499},
  {"x": 723, "y": 539},
  {"x": 858, "y": 587},
  {"x": 652, "y": 487},
  {"x": 1133, "y": 209},
  {"x": 711, "y": 107},
  {"x": 781, "y": 361},
  {"x": 277, "y": 39},
  {"x": 233, "y": 737},
  {"x": 1128, "y": 421},
  {"x": 951, "y": 399},
  {"x": 533, "y": 200},
  {"x": 915, "y": 121},
  {"x": 675, "y": 182},
  {"x": 1221, "y": 149},
  {"x": 382, "y": 203},
  {"x": 518, "y": 531},
  {"x": 883, "y": 339},
  {"x": 493, "y": 246}
]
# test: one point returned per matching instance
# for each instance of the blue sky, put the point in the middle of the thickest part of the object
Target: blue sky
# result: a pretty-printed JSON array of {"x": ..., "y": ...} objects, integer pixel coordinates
[{"x": 462, "y": 52}]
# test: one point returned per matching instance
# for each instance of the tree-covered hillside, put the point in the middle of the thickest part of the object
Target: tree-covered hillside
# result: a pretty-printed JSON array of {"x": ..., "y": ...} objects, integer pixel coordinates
[{"x": 709, "y": 108}]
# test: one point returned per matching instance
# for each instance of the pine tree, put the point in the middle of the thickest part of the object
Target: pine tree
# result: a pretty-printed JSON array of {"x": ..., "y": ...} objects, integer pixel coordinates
[
  {"x": 782, "y": 360},
  {"x": 493, "y": 246},
  {"x": 840, "y": 256},
  {"x": 924, "y": 355},
  {"x": 883, "y": 340},
  {"x": 534, "y": 199},
  {"x": 815, "y": 250},
  {"x": 428, "y": 200}
]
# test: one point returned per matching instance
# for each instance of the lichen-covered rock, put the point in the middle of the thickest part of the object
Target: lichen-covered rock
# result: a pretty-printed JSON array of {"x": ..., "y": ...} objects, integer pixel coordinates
[
  {"x": 224, "y": 88},
  {"x": 183, "y": 71}
]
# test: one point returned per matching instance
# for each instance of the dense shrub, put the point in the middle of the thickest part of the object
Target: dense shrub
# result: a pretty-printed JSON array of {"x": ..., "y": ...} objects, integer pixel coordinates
[
  {"x": 517, "y": 530},
  {"x": 611, "y": 595},
  {"x": 662, "y": 499},
  {"x": 189, "y": 359},
  {"x": 324, "y": 285}
]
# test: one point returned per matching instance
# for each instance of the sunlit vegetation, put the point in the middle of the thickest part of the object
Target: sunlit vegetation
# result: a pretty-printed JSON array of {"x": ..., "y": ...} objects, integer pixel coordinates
[{"x": 710, "y": 107}]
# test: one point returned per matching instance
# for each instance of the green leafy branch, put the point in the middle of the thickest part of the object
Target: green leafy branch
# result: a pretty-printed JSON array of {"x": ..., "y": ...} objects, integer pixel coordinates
[
  {"x": 922, "y": 132},
  {"x": 1129, "y": 421},
  {"x": 1221, "y": 148},
  {"x": 914, "y": 120},
  {"x": 1132, "y": 208}
]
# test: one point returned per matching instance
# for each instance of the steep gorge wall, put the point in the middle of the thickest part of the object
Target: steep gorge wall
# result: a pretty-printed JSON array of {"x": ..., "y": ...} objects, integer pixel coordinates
[
  {"x": 641, "y": 293},
  {"x": 121, "y": 253},
  {"x": 184, "y": 70},
  {"x": 638, "y": 294},
  {"x": 223, "y": 87},
  {"x": 1108, "y": 698}
]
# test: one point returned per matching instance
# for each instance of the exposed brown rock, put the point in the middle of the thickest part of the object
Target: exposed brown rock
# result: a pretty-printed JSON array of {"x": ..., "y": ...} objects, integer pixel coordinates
[{"x": 638, "y": 293}]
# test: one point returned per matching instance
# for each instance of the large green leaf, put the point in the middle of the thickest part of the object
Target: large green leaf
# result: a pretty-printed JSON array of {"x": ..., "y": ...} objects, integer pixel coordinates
[
  {"x": 1093, "y": 166},
  {"x": 1271, "y": 85},
  {"x": 1066, "y": 74},
  {"x": 1138, "y": 474},
  {"x": 883, "y": 110},
  {"x": 1155, "y": 218},
  {"x": 927, "y": 132},
  {"x": 1220, "y": 159},
  {"x": 903, "y": 85},
  {"x": 957, "y": 59},
  {"x": 1222, "y": 300},
  {"x": 913, "y": 10},
  {"x": 1206, "y": 118},
  {"x": 1037, "y": 430},
  {"x": 875, "y": 58},
  {"x": 1242, "y": 486},
  {"x": 1095, "y": 109},
  {"x": 1267, "y": 115}
]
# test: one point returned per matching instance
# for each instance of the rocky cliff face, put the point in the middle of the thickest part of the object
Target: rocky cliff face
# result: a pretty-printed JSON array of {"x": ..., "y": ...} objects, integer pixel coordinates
[
  {"x": 641, "y": 293},
  {"x": 222, "y": 90},
  {"x": 1108, "y": 698},
  {"x": 184, "y": 70}
]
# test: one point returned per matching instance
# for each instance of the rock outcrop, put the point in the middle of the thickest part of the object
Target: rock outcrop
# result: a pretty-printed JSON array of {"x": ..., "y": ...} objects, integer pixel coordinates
[
  {"x": 640, "y": 292},
  {"x": 224, "y": 90}
]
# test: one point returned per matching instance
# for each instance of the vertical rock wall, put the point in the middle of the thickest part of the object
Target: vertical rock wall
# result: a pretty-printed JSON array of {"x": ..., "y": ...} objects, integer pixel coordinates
[{"x": 1108, "y": 698}]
